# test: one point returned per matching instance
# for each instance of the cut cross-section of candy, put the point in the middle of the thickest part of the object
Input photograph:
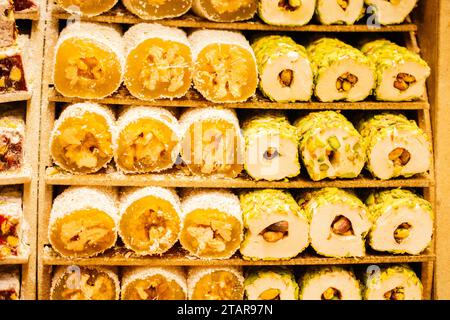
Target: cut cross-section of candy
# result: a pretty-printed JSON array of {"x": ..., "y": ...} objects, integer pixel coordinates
[
  {"x": 398, "y": 282},
  {"x": 26, "y": 5},
  {"x": 329, "y": 283},
  {"x": 401, "y": 74},
  {"x": 286, "y": 12},
  {"x": 284, "y": 69},
  {"x": 85, "y": 283},
  {"x": 339, "y": 222},
  {"x": 147, "y": 140},
  {"x": 330, "y": 147},
  {"x": 149, "y": 219},
  {"x": 11, "y": 224},
  {"x": 158, "y": 9},
  {"x": 212, "y": 142},
  {"x": 81, "y": 140},
  {"x": 12, "y": 139},
  {"x": 86, "y": 8},
  {"x": 8, "y": 32},
  {"x": 212, "y": 224},
  {"x": 271, "y": 284},
  {"x": 158, "y": 62},
  {"x": 225, "y": 67},
  {"x": 275, "y": 226},
  {"x": 9, "y": 283},
  {"x": 225, "y": 10},
  {"x": 12, "y": 69},
  {"x": 391, "y": 11},
  {"x": 83, "y": 221},
  {"x": 402, "y": 221},
  {"x": 89, "y": 60},
  {"x": 215, "y": 283},
  {"x": 341, "y": 71},
  {"x": 396, "y": 146},
  {"x": 151, "y": 283},
  {"x": 339, "y": 11},
  {"x": 271, "y": 147}
]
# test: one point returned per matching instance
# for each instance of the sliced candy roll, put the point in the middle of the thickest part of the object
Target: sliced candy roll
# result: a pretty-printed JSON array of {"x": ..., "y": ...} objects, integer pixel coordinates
[
  {"x": 339, "y": 222},
  {"x": 330, "y": 146},
  {"x": 12, "y": 242},
  {"x": 402, "y": 221},
  {"x": 285, "y": 72},
  {"x": 215, "y": 283},
  {"x": 212, "y": 142},
  {"x": 339, "y": 11},
  {"x": 147, "y": 140},
  {"x": 395, "y": 146},
  {"x": 9, "y": 283},
  {"x": 149, "y": 219},
  {"x": 225, "y": 67},
  {"x": 158, "y": 62},
  {"x": 83, "y": 221},
  {"x": 151, "y": 283},
  {"x": 12, "y": 139},
  {"x": 88, "y": 8},
  {"x": 275, "y": 226},
  {"x": 271, "y": 284},
  {"x": 398, "y": 282},
  {"x": 13, "y": 78},
  {"x": 89, "y": 60},
  {"x": 286, "y": 12},
  {"x": 8, "y": 32},
  {"x": 271, "y": 147},
  {"x": 391, "y": 11},
  {"x": 82, "y": 138},
  {"x": 225, "y": 10},
  {"x": 85, "y": 283},
  {"x": 158, "y": 9},
  {"x": 329, "y": 283},
  {"x": 341, "y": 71},
  {"x": 401, "y": 73},
  {"x": 212, "y": 224}
]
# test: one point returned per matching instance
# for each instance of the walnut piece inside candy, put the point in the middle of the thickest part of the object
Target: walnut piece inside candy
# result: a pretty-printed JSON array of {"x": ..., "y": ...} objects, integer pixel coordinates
[
  {"x": 400, "y": 157},
  {"x": 346, "y": 81}
]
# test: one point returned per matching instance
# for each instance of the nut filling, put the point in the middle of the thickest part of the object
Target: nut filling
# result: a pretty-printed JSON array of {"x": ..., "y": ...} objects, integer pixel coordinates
[
  {"x": 397, "y": 293},
  {"x": 404, "y": 81},
  {"x": 343, "y": 4},
  {"x": 9, "y": 239},
  {"x": 270, "y": 294},
  {"x": 83, "y": 68},
  {"x": 90, "y": 285},
  {"x": 213, "y": 237},
  {"x": 400, "y": 157},
  {"x": 271, "y": 153},
  {"x": 10, "y": 151},
  {"x": 11, "y": 75},
  {"x": 402, "y": 232},
  {"x": 331, "y": 294},
  {"x": 342, "y": 226},
  {"x": 276, "y": 231},
  {"x": 346, "y": 82},
  {"x": 155, "y": 287},
  {"x": 84, "y": 152},
  {"x": 219, "y": 285},
  {"x": 286, "y": 77},
  {"x": 290, "y": 5},
  {"x": 145, "y": 150}
]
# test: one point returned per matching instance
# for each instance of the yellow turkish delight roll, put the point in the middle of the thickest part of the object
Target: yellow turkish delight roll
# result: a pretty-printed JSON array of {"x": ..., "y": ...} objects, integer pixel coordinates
[
  {"x": 212, "y": 142},
  {"x": 81, "y": 139},
  {"x": 225, "y": 10},
  {"x": 83, "y": 221},
  {"x": 89, "y": 60},
  {"x": 88, "y": 8},
  {"x": 85, "y": 283},
  {"x": 215, "y": 283},
  {"x": 212, "y": 224},
  {"x": 149, "y": 219},
  {"x": 147, "y": 140},
  {"x": 151, "y": 283},
  {"x": 225, "y": 67},
  {"x": 158, "y": 62},
  {"x": 158, "y": 9}
]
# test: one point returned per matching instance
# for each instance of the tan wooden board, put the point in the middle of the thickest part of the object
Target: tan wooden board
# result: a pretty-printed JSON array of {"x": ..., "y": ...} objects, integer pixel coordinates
[
  {"x": 120, "y": 15},
  {"x": 27, "y": 15},
  {"x": 50, "y": 177}
]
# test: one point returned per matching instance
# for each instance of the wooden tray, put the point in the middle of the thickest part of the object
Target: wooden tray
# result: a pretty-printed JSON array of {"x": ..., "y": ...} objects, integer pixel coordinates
[
  {"x": 50, "y": 176},
  {"x": 28, "y": 177}
]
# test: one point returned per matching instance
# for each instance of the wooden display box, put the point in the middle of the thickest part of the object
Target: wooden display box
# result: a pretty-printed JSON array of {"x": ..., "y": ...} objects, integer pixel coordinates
[
  {"x": 27, "y": 178},
  {"x": 51, "y": 179}
]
